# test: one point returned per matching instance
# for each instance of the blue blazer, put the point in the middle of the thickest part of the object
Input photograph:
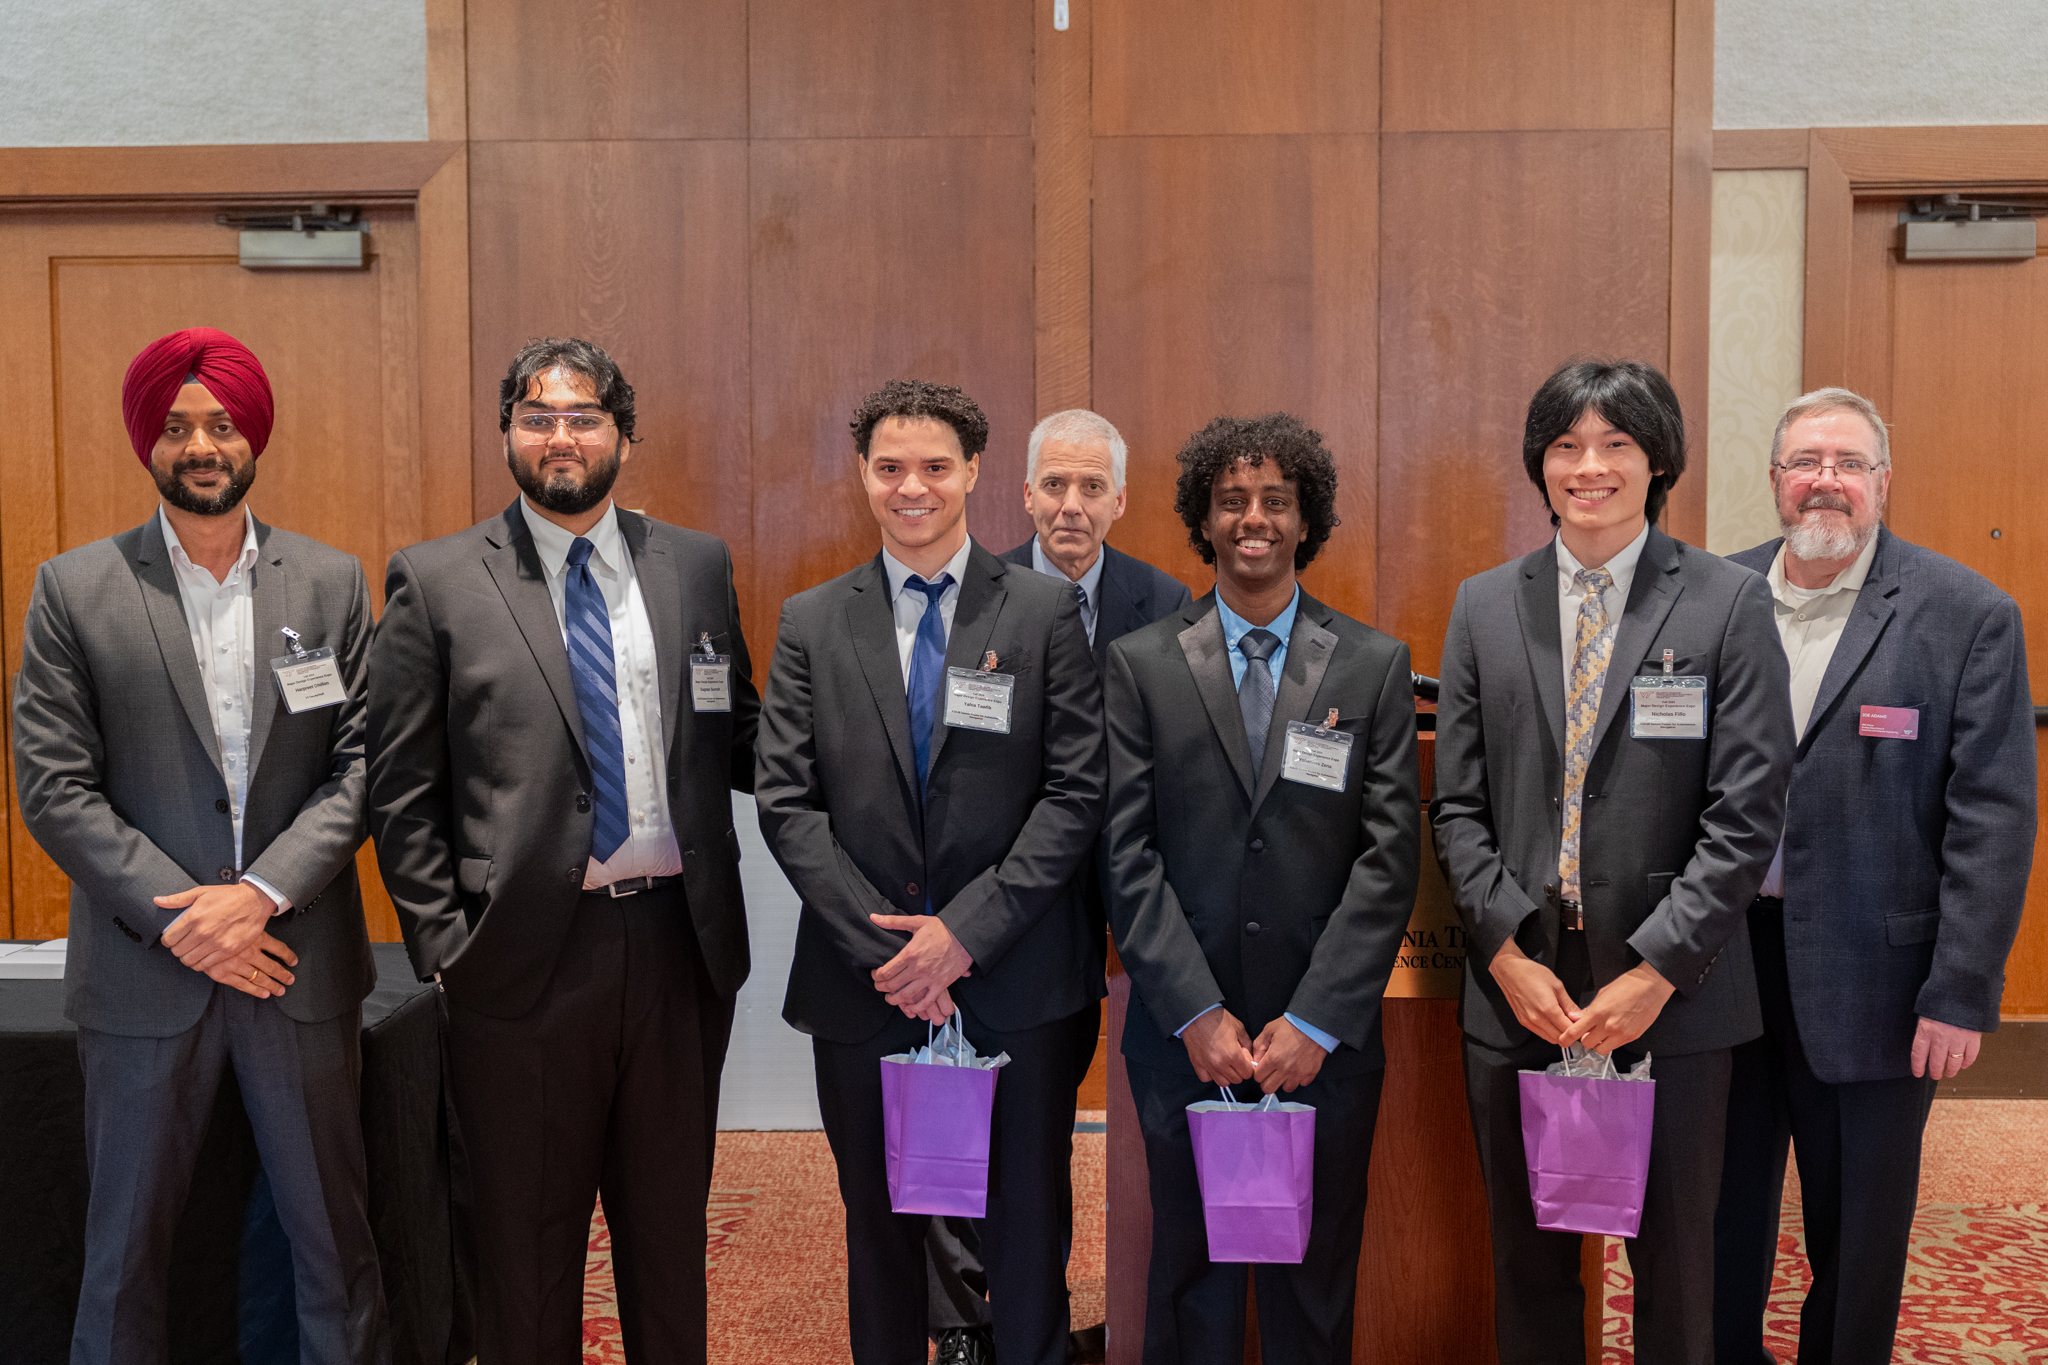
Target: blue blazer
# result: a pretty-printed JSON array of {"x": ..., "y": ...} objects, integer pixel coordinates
[
  {"x": 1134, "y": 595},
  {"x": 1906, "y": 860}
]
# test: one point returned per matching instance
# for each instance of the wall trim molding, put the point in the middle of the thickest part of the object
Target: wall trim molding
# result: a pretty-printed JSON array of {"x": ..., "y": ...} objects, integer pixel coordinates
[
  {"x": 1880, "y": 160},
  {"x": 339, "y": 169}
]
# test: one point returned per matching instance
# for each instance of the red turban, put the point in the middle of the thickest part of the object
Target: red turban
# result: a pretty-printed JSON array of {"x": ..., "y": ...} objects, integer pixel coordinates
[{"x": 229, "y": 370}]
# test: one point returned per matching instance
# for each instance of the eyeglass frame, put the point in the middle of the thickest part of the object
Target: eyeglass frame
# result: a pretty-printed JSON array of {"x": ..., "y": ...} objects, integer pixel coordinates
[
  {"x": 558, "y": 423},
  {"x": 1823, "y": 466}
]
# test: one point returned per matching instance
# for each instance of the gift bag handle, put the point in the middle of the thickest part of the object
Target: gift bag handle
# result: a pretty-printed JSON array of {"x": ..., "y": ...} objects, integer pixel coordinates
[{"x": 952, "y": 1024}]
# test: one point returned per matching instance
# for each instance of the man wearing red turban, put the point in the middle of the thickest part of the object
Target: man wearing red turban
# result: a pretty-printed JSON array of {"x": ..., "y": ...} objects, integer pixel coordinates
[{"x": 188, "y": 738}]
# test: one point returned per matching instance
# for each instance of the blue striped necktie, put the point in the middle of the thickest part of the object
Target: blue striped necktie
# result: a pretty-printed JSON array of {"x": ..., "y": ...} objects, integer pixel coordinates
[
  {"x": 597, "y": 699},
  {"x": 927, "y": 664}
]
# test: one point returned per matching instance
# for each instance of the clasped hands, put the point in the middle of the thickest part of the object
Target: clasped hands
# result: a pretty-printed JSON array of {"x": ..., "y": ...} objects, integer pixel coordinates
[
  {"x": 1621, "y": 1012},
  {"x": 916, "y": 979},
  {"x": 1283, "y": 1058},
  {"x": 221, "y": 933}
]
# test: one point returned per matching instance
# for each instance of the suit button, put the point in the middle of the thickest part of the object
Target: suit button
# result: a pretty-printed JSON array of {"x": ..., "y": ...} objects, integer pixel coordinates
[
  {"x": 220, "y": 803},
  {"x": 1258, "y": 845},
  {"x": 911, "y": 889},
  {"x": 582, "y": 803},
  {"x": 574, "y": 876},
  {"x": 1252, "y": 928},
  {"x": 227, "y": 874}
]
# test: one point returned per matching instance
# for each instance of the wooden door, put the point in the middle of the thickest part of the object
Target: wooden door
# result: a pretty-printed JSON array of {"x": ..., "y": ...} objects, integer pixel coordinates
[
  {"x": 83, "y": 290},
  {"x": 1955, "y": 354}
]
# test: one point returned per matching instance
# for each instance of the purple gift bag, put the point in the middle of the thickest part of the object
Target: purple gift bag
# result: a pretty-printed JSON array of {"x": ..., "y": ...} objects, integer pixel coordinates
[
  {"x": 935, "y": 1121},
  {"x": 1256, "y": 1168},
  {"x": 1588, "y": 1143}
]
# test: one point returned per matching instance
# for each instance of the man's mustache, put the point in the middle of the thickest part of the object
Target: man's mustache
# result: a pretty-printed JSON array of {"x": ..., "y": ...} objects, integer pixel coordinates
[
  {"x": 1827, "y": 502},
  {"x": 184, "y": 467}
]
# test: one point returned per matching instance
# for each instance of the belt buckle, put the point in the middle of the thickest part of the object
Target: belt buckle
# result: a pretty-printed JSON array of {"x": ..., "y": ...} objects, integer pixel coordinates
[
  {"x": 1577, "y": 910},
  {"x": 633, "y": 887}
]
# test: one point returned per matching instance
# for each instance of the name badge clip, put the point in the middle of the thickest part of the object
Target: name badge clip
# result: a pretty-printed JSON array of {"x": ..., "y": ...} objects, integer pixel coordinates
[{"x": 307, "y": 679}]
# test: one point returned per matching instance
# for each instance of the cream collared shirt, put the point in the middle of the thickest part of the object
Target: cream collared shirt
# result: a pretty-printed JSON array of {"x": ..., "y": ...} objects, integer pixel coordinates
[
  {"x": 1570, "y": 595},
  {"x": 1810, "y": 624},
  {"x": 650, "y": 849},
  {"x": 909, "y": 606},
  {"x": 221, "y": 615}
]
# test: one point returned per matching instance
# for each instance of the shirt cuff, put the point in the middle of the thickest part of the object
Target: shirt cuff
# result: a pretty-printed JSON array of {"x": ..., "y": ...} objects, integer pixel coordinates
[
  {"x": 1198, "y": 1014},
  {"x": 1315, "y": 1035},
  {"x": 283, "y": 902}
]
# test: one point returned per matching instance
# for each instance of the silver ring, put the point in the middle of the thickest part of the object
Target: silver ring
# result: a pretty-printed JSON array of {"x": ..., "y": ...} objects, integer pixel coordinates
[{"x": 1955, "y": 1054}]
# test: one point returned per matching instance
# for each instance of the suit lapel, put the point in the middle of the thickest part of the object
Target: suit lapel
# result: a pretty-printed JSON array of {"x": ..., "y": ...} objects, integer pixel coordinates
[
  {"x": 974, "y": 621},
  {"x": 1209, "y": 660},
  {"x": 1650, "y": 597},
  {"x": 1118, "y": 609},
  {"x": 1309, "y": 649},
  {"x": 514, "y": 565},
  {"x": 872, "y": 624},
  {"x": 1536, "y": 605},
  {"x": 1873, "y": 611},
  {"x": 661, "y": 591},
  {"x": 274, "y": 609},
  {"x": 159, "y": 584}
]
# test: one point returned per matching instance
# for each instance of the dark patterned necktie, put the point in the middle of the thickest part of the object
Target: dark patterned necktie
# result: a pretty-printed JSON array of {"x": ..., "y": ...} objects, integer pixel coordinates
[
  {"x": 597, "y": 699},
  {"x": 1255, "y": 693}
]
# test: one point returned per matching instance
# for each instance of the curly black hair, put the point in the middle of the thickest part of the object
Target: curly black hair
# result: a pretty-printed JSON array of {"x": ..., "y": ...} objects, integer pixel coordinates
[
  {"x": 1277, "y": 436},
  {"x": 574, "y": 354},
  {"x": 1635, "y": 397},
  {"x": 921, "y": 398}
]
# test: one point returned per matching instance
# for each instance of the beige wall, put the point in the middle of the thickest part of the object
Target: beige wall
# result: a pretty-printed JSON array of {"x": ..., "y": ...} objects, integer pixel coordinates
[{"x": 1754, "y": 345}]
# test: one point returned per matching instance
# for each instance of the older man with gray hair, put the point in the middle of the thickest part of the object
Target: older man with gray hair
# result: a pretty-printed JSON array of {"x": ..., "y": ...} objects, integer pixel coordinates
[
  {"x": 1881, "y": 930},
  {"x": 1074, "y": 491}
]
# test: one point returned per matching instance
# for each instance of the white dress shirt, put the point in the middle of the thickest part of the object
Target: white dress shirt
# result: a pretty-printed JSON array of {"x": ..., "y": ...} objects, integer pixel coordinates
[
  {"x": 910, "y": 606},
  {"x": 1091, "y": 582},
  {"x": 1570, "y": 594},
  {"x": 221, "y": 614},
  {"x": 1810, "y": 622},
  {"x": 650, "y": 849}
]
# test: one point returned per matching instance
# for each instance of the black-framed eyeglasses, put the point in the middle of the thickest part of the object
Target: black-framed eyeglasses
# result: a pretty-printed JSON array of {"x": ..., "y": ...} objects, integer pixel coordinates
[
  {"x": 1805, "y": 467},
  {"x": 584, "y": 428}
]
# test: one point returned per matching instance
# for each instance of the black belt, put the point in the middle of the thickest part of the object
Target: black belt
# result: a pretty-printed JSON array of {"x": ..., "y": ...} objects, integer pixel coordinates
[
  {"x": 631, "y": 886},
  {"x": 1574, "y": 914},
  {"x": 1776, "y": 903}
]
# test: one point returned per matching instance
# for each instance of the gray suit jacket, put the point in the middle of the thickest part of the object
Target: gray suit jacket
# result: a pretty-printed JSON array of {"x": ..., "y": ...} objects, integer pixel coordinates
[
  {"x": 479, "y": 787},
  {"x": 120, "y": 778},
  {"x": 1906, "y": 861},
  {"x": 1676, "y": 834}
]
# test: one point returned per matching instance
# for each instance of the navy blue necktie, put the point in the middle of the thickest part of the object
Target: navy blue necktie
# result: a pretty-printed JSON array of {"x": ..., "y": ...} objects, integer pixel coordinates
[
  {"x": 927, "y": 666},
  {"x": 597, "y": 699}
]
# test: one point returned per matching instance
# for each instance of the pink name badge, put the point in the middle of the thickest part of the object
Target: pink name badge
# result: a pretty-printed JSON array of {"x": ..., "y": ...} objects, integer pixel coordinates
[{"x": 1890, "y": 722}]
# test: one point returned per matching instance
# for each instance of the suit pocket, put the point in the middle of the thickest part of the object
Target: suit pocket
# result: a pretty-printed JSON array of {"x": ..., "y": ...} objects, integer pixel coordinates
[
  {"x": 1659, "y": 888},
  {"x": 1908, "y": 927},
  {"x": 472, "y": 874}
]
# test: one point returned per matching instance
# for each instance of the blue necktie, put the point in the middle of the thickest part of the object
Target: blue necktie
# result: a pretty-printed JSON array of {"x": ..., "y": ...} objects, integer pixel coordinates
[
  {"x": 927, "y": 666},
  {"x": 597, "y": 699},
  {"x": 1255, "y": 693}
]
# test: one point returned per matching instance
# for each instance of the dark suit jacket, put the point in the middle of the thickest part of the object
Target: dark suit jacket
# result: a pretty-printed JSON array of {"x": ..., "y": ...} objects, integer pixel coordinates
[
  {"x": 120, "y": 778},
  {"x": 1676, "y": 834},
  {"x": 1133, "y": 594},
  {"x": 479, "y": 784},
  {"x": 1008, "y": 818},
  {"x": 1271, "y": 896},
  {"x": 1906, "y": 860}
]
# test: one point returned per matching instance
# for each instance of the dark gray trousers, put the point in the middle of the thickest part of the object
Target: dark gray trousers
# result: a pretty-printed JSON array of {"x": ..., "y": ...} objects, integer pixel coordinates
[{"x": 147, "y": 1102}]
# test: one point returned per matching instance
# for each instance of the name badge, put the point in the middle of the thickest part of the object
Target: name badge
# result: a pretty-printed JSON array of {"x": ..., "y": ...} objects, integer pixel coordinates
[
  {"x": 711, "y": 682},
  {"x": 977, "y": 699},
  {"x": 1315, "y": 756},
  {"x": 1667, "y": 706},
  {"x": 1889, "y": 722},
  {"x": 309, "y": 680}
]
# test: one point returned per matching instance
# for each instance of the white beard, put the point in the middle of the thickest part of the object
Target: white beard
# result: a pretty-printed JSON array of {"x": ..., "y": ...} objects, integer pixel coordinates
[{"x": 1820, "y": 539}]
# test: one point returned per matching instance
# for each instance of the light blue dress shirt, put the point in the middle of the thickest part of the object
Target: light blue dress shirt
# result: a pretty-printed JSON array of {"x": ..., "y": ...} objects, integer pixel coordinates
[{"x": 1235, "y": 628}]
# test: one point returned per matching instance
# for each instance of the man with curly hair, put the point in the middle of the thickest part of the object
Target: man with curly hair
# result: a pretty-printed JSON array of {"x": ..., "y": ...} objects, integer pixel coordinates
[
  {"x": 930, "y": 778},
  {"x": 1263, "y": 841}
]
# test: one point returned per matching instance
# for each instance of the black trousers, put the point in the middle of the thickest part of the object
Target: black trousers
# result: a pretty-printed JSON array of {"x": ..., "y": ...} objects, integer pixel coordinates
[
  {"x": 609, "y": 1084},
  {"x": 1195, "y": 1307},
  {"x": 147, "y": 1102},
  {"x": 1539, "y": 1302},
  {"x": 1030, "y": 1191},
  {"x": 1859, "y": 1182}
]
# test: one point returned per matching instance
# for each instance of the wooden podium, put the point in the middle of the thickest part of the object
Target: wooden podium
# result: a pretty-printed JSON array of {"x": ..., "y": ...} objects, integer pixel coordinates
[{"x": 1425, "y": 1278}]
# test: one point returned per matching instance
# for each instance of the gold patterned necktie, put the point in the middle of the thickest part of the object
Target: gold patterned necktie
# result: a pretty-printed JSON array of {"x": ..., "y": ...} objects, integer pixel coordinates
[{"x": 1592, "y": 649}]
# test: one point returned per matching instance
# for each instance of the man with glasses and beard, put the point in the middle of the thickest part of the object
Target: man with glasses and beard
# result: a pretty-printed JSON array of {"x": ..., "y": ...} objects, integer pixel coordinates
[
  {"x": 1881, "y": 930},
  {"x": 207, "y": 814},
  {"x": 560, "y": 699}
]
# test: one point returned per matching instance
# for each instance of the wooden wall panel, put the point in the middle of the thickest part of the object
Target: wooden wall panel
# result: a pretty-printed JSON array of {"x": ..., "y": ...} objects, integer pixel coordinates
[
  {"x": 1474, "y": 65},
  {"x": 1508, "y": 255},
  {"x": 890, "y": 68},
  {"x": 539, "y": 69},
  {"x": 640, "y": 247},
  {"x": 878, "y": 259},
  {"x": 1236, "y": 275},
  {"x": 1692, "y": 250},
  {"x": 1225, "y": 66},
  {"x": 1063, "y": 166}
]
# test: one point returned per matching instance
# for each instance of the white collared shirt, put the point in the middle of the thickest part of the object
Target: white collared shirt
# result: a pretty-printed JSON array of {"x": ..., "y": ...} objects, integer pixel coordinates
[
  {"x": 1810, "y": 624},
  {"x": 221, "y": 615},
  {"x": 909, "y": 605},
  {"x": 650, "y": 849},
  {"x": 1091, "y": 582},
  {"x": 1570, "y": 594}
]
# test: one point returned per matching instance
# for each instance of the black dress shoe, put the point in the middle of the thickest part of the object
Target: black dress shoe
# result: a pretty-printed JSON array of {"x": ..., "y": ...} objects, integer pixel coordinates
[{"x": 965, "y": 1346}]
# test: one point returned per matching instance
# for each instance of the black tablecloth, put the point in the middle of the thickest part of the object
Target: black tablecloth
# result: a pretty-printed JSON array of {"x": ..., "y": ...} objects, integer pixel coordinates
[{"x": 231, "y": 1290}]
